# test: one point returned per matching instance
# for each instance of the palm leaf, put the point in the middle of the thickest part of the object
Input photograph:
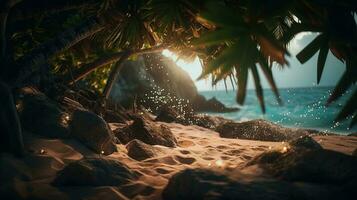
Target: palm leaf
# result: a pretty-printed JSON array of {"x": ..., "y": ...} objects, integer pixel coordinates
[
  {"x": 321, "y": 61},
  {"x": 228, "y": 56},
  {"x": 269, "y": 76},
  {"x": 354, "y": 120},
  {"x": 258, "y": 87},
  {"x": 242, "y": 76},
  {"x": 343, "y": 84},
  {"x": 310, "y": 49},
  {"x": 349, "y": 108},
  {"x": 218, "y": 36},
  {"x": 219, "y": 14}
]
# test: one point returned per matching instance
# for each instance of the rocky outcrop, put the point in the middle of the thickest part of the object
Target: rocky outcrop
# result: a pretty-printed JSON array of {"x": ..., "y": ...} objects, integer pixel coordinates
[
  {"x": 40, "y": 115},
  {"x": 95, "y": 172},
  {"x": 147, "y": 131},
  {"x": 154, "y": 81},
  {"x": 259, "y": 130},
  {"x": 140, "y": 151},
  {"x": 93, "y": 132},
  {"x": 201, "y": 104}
]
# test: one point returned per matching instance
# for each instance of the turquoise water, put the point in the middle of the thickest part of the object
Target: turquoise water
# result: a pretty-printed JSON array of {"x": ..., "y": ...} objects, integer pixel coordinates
[{"x": 303, "y": 108}]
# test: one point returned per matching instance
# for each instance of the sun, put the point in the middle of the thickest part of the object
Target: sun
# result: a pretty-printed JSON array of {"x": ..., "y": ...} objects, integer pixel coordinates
[{"x": 193, "y": 68}]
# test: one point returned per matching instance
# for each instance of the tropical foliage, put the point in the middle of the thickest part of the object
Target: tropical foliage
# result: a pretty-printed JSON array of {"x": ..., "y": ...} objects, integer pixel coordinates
[{"x": 63, "y": 41}]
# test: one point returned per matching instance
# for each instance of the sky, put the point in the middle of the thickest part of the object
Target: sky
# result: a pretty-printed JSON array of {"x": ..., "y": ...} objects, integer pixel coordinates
[{"x": 295, "y": 75}]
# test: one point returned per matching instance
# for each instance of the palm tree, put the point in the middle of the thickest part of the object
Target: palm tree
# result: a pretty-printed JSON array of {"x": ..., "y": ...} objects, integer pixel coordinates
[{"x": 69, "y": 39}]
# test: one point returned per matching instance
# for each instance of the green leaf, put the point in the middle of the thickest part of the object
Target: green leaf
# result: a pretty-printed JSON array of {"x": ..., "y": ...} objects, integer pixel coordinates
[
  {"x": 227, "y": 57},
  {"x": 218, "y": 36},
  {"x": 224, "y": 71},
  {"x": 242, "y": 76},
  {"x": 353, "y": 121},
  {"x": 258, "y": 87},
  {"x": 321, "y": 61},
  {"x": 269, "y": 76},
  {"x": 343, "y": 84},
  {"x": 311, "y": 49},
  {"x": 349, "y": 108},
  {"x": 221, "y": 15}
]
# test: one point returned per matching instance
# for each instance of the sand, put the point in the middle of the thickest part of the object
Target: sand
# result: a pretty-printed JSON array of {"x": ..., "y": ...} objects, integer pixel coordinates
[{"x": 197, "y": 148}]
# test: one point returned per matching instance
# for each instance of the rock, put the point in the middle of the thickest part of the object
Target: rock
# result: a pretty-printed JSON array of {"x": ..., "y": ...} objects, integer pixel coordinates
[
  {"x": 353, "y": 134},
  {"x": 10, "y": 129},
  {"x": 40, "y": 115},
  {"x": 147, "y": 131},
  {"x": 354, "y": 153},
  {"x": 169, "y": 115},
  {"x": 258, "y": 130},
  {"x": 207, "y": 121},
  {"x": 211, "y": 105},
  {"x": 206, "y": 184},
  {"x": 92, "y": 131},
  {"x": 95, "y": 172},
  {"x": 113, "y": 117},
  {"x": 316, "y": 166},
  {"x": 153, "y": 81},
  {"x": 305, "y": 142},
  {"x": 123, "y": 134},
  {"x": 139, "y": 150}
]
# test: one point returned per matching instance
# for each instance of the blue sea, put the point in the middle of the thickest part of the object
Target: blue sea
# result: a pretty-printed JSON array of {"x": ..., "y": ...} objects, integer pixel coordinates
[{"x": 302, "y": 108}]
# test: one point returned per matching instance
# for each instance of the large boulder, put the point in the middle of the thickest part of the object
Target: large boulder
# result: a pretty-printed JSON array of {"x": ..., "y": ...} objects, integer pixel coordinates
[
  {"x": 207, "y": 184},
  {"x": 95, "y": 172},
  {"x": 147, "y": 131},
  {"x": 92, "y": 131},
  {"x": 40, "y": 115},
  {"x": 154, "y": 80},
  {"x": 259, "y": 130},
  {"x": 308, "y": 165},
  {"x": 140, "y": 151},
  {"x": 305, "y": 142}
]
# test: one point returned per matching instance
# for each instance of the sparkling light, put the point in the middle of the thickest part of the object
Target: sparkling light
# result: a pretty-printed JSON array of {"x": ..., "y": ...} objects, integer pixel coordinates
[{"x": 219, "y": 163}]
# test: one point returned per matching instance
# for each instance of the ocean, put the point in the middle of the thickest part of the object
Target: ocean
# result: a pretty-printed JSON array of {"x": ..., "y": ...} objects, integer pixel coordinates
[{"x": 302, "y": 108}]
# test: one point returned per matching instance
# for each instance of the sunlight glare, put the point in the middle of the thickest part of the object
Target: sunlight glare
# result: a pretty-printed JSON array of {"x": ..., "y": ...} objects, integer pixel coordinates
[{"x": 194, "y": 68}]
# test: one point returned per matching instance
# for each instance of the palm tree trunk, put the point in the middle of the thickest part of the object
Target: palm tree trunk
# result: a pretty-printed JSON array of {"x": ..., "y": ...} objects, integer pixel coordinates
[{"x": 114, "y": 74}]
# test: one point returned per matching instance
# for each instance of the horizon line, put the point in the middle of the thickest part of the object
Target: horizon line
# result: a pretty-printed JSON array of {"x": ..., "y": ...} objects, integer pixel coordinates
[{"x": 298, "y": 87}]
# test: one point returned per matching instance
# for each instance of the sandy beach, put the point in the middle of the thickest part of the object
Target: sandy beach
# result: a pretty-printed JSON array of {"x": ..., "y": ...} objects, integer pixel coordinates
[{"x": 198, "y": 147}]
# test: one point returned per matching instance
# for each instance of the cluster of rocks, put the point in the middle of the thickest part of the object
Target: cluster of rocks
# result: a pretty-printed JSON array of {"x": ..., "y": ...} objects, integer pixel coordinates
[
  {"x": 44, "y": 117},
  {"x": 252, "y": 130}
]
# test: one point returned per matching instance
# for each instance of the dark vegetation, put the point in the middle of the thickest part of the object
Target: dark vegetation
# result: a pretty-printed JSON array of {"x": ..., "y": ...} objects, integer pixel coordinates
[{"x": 79, "y": 45}]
